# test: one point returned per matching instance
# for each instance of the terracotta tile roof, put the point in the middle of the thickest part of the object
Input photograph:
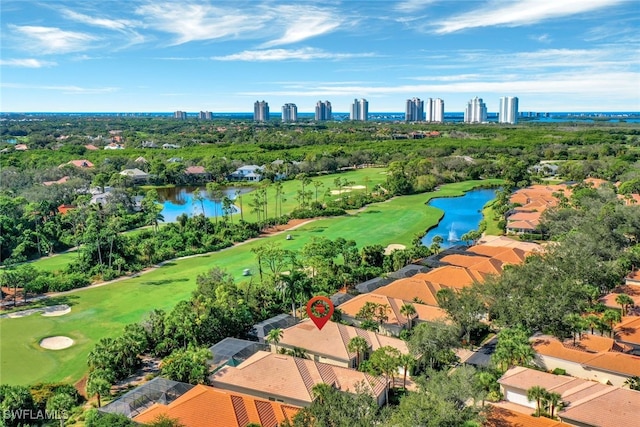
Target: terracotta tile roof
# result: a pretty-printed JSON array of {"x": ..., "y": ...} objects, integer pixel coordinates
[
  {"x": 523, "y": 225},
  {"x": 634, "y": 276},
  {"x": 475, "y": 262},
  {"x": 195, "y": 170},
  {"x": 451, "y": 276},
  {"x": 613, "y": 361},
  {"x": 288, "y": 377},
  {"x": 629, "y": 330},
  {"x": 619, "y": 407},
  {"x": 201, "y": 405},
  {"x": 91, "y": 147},
  {"x": 507, "y": 242},
  {"x": 81, "y": 163},
  {"x": 502, "y": 417},
  {"x": 595, "y": 343},
  {"x": 524, "y": 216},
  {"x": 588, "y": 402},
  {"x": 333, "y": 339},
  {"x": 410, "y": 288},
  {"x": 632, "y": 290},
  {"x": 506, "y": 255},
  {"x": 596, "y": 182},
  {"x": 425, "y": 312}
]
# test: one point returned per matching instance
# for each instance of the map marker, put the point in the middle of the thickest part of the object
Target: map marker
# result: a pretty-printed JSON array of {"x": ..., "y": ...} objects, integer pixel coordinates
[{"x": 320, "y": 310}]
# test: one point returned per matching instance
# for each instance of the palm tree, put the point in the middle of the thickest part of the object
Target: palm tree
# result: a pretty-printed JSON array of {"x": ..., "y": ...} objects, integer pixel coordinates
[
  {"x": 633, "y": 383},
  {"x": 554, "y": 401},
  {"x": 576, "y": 323},
  {"x": 592, "y": 322},
  {"x": 359, "y": 346},
  {"x": 611, "y": 317},
  {"x": 408, "y": 311},
  {"x": 298, "y": 352},
  {"x": 274, "y": 336},
  {"x": 538, "y": 394},
  {"x": 407, "y": 362},
  {"x": 625, "y": 302},
  {"x": 99, "y": 385}
]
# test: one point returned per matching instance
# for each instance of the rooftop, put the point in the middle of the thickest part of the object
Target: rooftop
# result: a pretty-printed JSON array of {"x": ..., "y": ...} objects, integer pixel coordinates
[
  {"x": 424, "y": 312},
  {"x": 292, "y": 378},
  {"x": 200, "y": 405}
]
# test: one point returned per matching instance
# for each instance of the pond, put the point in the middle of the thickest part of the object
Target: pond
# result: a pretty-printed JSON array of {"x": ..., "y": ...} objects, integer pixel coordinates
[
  {"x": 461, "y": 215},
  {"x": 179, "y": 200}
]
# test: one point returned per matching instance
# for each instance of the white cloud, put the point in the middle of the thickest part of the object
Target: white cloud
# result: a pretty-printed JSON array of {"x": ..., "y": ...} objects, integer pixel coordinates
[
  {"x": 52, "y": 40},
  {"x": 303, "y": 54},
  {"x": 542, "y": 38},
  {"x": 191, "y": 22},
  {"x": 66, "y": 89},
  {"x": 110, "y": 24},
  {"x": 26, "y": 63},
  {"x": 303, "y": 22},
  {"x": 412, "y": 5},
  {"x": 518, "y": 13}
]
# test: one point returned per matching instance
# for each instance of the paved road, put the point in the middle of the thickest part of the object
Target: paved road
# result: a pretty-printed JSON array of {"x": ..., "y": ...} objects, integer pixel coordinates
[{"x": 482, "y": 356}]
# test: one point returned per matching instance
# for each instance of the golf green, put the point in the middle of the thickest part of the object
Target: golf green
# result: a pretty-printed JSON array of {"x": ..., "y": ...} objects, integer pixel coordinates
[{"x": 102, "y": 311}]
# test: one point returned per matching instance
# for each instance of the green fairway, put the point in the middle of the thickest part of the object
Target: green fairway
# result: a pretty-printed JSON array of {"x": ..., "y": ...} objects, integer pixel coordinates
[
  {"x": 103, "y": 311},
  {"x": 489, "y": 217},
  {"x": 55, "y": 262}
]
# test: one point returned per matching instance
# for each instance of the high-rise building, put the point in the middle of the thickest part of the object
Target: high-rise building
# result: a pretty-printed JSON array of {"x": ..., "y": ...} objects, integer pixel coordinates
[
  {"x": 414, "y": 110},
  {"x": 289, "y": 113},
  {"x": 261, "y": 111},
  {"x": 205, "y": 115},
  {"x": 476, "y": 111},
  {"x": 435, "y": 110},
  {"x": 323, "y": 111},
  {"x": 359, "y": 110},
  {"x": 508, "y": 112},
  {"x": 180, "y": 115}
]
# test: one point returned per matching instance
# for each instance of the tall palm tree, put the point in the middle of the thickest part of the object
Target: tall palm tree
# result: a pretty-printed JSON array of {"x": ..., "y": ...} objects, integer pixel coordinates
[
  {"x": 274, "y": 336},
  {"x": 576, "y": 323},
  {"x": 408, "y": 311},
  {"x": 611, "y": 317},
  {"x": 554, "y": 401},
  {"x": 407, "y": 362},
  {"x": 359, "y": 346},
  {"x": 538, "y": 394},
  {"x": 625, "y": 302},
  {"x": 592, "y": 322}
]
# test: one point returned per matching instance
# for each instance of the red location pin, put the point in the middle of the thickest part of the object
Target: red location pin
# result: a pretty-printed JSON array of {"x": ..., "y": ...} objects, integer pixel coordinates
[{"x": 320, "y": 310}]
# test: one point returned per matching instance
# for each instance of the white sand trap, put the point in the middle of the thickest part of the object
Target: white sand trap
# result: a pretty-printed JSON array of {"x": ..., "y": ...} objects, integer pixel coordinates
[
  {"x": 56, "y": 310},
  {"x": 357, "y": 187},
  {"x": 56, "y": 343},
  {"x": 334, "y": 192},
  {"x": 392, "y": 247}
]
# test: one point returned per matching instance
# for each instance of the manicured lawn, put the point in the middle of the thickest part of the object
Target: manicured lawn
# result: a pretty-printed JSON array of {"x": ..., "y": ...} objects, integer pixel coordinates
[
  {"x": 56, "y": 262},
  {"x": 489, "y": 217},
  {"x": 103, "y": 311}
]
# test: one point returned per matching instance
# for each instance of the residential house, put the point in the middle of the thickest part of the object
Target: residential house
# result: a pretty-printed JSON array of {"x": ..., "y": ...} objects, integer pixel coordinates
[
  {"x": 204, "y": 406},
  {"x": 290, "y": 380},
  {"x": 586, "y": 403},
  {"x": 91, "y": 147},
  {"x": 373, "y": 284},
  {"x": 629, "y": 288},
  {"x": 114, "y": 146},
  {"x": 261, "y": 330},
  {"x": 141, "y": 160},
  {"x": 593, "y": 360},
  {"x": 21, "y": 147},
  {"x": 627, "y": 332},
  {"x": 60, "y": 181},
  {"x": 395, "y": 321},
  {"x": 498, "y": 416},
  {"x": 64, "y": 209},
  {"x": 340, "y": 298},
  {"x": 197, "y": 173},
  {"x": 508, "y": 242},
  {"x": 233, "y": 351},
  {"x": 149, "y": 144},
  {"x": 507, "y": 255},
  {"x": 168, "y": 146},
  {"x": 408, "y": 271},
  {"x": 136, "y": 175},
  {"x": 174, "y": 160},
  {"x": 474, "y": 262},
  {"x": 633, "y": 278},
  {"x": 80, "y": 163},
  {"x": 247, "y": 173},
  {"x": 331, "y": 343}
]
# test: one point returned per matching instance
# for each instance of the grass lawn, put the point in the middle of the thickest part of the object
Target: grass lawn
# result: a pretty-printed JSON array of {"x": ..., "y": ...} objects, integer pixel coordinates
[
  {"x": 489, "y": 217},
  {"x": 103, "y": 311},
  {"x": 56, "y": 262}
]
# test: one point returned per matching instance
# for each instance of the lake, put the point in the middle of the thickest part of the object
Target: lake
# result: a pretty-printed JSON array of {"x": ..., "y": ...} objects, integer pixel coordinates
[
  {"x": 179, "y": 200},
  {"x": 461, "y": 215}
]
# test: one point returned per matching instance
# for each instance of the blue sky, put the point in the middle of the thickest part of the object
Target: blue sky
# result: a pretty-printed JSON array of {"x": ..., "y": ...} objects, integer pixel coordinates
[{"x": 221, "y": 56}]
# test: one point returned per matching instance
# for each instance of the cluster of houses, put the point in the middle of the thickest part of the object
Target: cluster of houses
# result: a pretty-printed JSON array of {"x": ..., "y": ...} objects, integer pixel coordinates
[
  {"x": 256, "y": 381},
  {"x": 531, "y": 202}
]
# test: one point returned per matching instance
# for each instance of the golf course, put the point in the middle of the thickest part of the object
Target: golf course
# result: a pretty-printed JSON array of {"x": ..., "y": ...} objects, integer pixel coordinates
[{"x": 103, "y": 311}]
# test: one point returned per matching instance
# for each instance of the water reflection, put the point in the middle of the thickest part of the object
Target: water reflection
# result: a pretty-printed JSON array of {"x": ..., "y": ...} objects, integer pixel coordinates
[
  {"x": 179, "y": 200},
  {"x": 461, "y": 215}
]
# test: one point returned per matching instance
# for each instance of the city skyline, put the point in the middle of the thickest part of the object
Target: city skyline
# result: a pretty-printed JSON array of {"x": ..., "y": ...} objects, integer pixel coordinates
[{"x": 143, "y": 56}]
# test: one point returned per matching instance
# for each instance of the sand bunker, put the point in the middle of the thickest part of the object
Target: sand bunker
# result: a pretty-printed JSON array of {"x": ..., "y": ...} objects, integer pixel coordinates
[
  {"x": 334, "y": 192},
  {"x": 393, "y": 247},
  {"x": 348, "y": 189},
  {"x": 56, "y": 310},
  {"x": 56, "y": 343}
]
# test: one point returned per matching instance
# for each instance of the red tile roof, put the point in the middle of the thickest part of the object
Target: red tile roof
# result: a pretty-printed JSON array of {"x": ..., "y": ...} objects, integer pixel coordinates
[
  {"x": 427, "y": 313},
  {"x": 629, "y": 330},
  {"x": 204, "y": 406},
  {"x": 292, "y": 378},
  {"x": 502, "y": 417}
]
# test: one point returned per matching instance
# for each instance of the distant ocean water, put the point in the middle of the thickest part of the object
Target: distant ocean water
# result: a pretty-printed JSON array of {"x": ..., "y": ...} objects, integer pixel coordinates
[{"x": 452, "y": 117}]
